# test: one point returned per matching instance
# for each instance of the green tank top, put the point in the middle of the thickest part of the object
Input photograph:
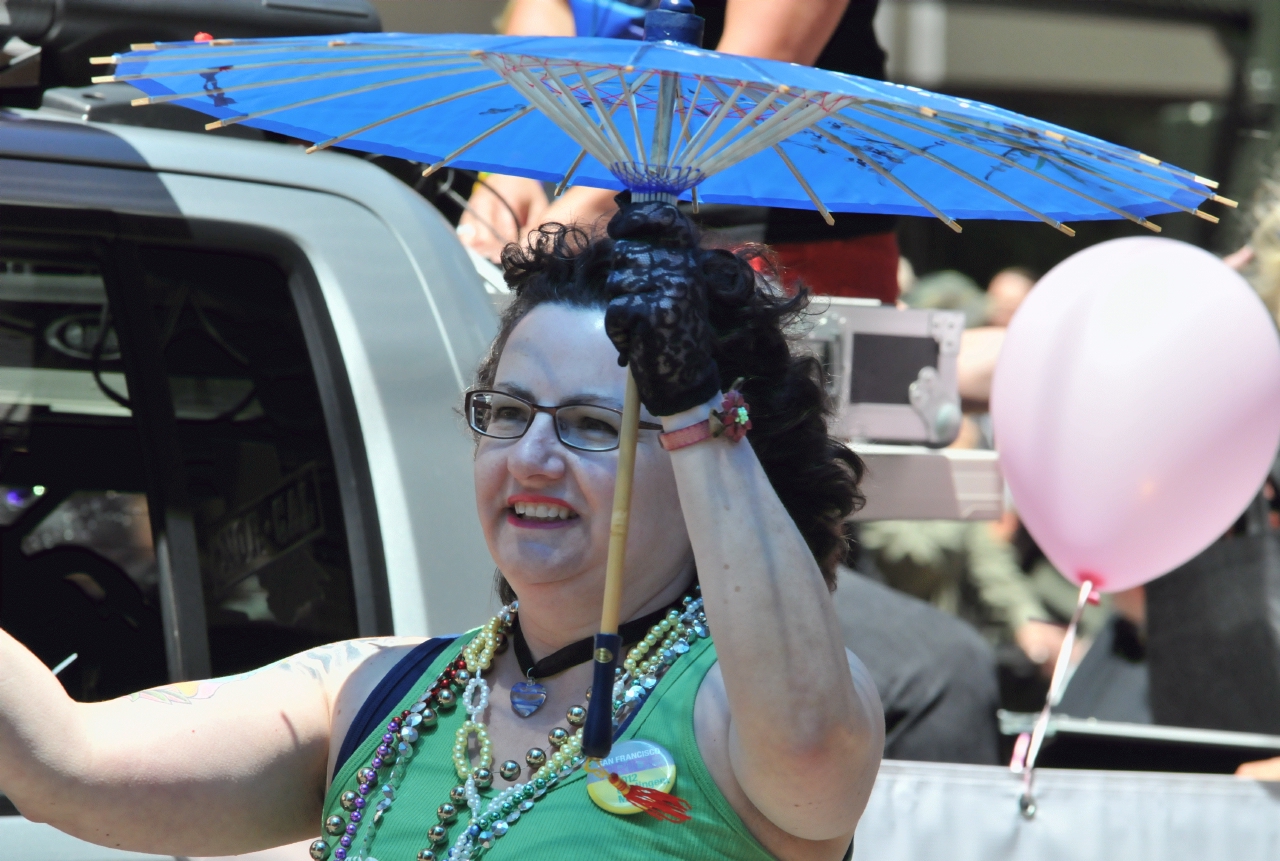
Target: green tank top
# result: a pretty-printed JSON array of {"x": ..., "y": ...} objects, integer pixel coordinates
[{"x": 565, "y": 824}]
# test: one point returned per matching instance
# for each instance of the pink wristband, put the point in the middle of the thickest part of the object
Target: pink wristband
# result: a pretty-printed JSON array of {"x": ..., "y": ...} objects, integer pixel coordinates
[
  {"x": 731, "y": 420},
  {"x": 686, "y": 436}
]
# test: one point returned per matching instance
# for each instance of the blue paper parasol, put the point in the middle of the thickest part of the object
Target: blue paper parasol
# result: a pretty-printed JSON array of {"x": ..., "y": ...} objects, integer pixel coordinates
[
  {"x": 666, "y": 120},
  {"x": 664, "y": 117}
]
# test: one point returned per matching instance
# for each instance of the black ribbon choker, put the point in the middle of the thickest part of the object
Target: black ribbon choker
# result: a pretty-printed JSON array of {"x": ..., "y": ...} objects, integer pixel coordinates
[{"x": 579, "y": 651}]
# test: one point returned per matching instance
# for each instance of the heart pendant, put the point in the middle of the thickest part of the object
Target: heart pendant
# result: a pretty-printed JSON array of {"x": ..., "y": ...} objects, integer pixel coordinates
[{"x": 527, "y": 698}]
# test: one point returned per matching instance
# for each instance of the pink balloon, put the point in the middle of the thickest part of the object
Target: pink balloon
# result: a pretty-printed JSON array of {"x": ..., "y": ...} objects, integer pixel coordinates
[{"x": 1136, "y": 408}]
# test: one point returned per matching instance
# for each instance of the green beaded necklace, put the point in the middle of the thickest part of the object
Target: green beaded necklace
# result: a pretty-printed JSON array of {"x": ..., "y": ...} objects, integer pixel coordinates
[{"x": 646, "y": 662}]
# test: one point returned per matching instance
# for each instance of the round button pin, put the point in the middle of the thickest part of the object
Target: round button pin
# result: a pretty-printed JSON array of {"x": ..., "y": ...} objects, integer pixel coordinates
[{"x": 639, "y": 763}]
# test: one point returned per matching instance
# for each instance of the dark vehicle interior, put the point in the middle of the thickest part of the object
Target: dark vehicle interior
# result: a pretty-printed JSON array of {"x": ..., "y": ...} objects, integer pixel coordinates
[{"x": 160, "y": 426}]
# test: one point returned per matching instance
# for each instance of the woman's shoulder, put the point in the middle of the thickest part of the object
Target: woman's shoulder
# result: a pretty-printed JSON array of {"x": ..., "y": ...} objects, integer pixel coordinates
[
  {"x": 352, "y": 669},
  {"x": 367, "y": 669},
  {"x": 336, "y": 663}
]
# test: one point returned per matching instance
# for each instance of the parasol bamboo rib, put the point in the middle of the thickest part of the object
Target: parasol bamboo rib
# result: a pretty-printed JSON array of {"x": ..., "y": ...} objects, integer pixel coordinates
[
  {"x": 368, "y": 88},
  {"x": 747, "y": 120},
  {"x": 678, "y": 118},
  {"x": 710, "y": 148},
  {"x": 520, "y": 114},
  {"x": 610, "y": 126},
  {"x": 668, "y": 89},
  {"x": 1136, "y": 219},
  {"x": 571, "y": 109},
  {"x": 700, "y": 139},
  {"x": 240, "y": 67},
  {"x": 804, "y": 183},
  {"x": 571, "y": 114},
  {"x": 620, "y": 521},
  {"x": 684, "y": 128},
  {"x": 635, "y": 118},
  {"x": 1052, "y": 222},
  {"x": 212, "y": 55},
  {"x": 773, "y": 130},
  {"x": 422, "y": 107},
  {"x": 522, "y": 80},
  {"x": 1068, "y": 146},
  {"x": 603, "y": 121},
  {"x": 266, "y": 111},
  {"x": 710, "y": 124},
  {"x": 344, "y": 73},
  {"x": 1085, "y": 168},
  {"x": 1029, "y": 141},
  {"x": 685, "y": 119},
  {"x": 573, "y": 167},
  {"x": 1067, "y": 138},
  {"x": 799, "y": 113},
  {"x": 578, "y": 123},
  {"x": 1055, "y": 159},
  {"x": 746, "y": 147},
  {"x": 603, "y": 126},
  {"x": 884, "y": 172},
  {"x": 568, "y": 174},
  {"x": 1039, "y": 135}
]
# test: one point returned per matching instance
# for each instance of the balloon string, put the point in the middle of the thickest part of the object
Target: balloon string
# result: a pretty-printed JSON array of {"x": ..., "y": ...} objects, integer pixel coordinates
[{"x": 1027, "y": 802}]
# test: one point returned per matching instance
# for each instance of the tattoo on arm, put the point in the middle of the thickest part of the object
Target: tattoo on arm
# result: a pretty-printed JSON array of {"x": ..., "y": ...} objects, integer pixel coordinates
[{"x": 316, "y": 663}]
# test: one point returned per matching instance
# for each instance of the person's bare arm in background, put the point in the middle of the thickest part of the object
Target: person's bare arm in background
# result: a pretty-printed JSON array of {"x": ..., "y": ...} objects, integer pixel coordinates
[
  {"x": 488, "y": 225},
  {"x": 795, "y": 31},
  {"x": 792, "y": 30},
  {"x": 538, "y": 18}
]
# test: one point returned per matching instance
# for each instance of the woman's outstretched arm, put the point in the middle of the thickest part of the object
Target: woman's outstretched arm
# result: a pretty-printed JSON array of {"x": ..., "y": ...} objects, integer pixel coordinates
[
  {"x": 216, "y": 767},
  {"x": 805, "y": 728}
]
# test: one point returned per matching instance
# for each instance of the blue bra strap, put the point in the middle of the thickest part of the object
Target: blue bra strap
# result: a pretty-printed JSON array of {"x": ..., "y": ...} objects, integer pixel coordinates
[{"x": 390, "y": 690}]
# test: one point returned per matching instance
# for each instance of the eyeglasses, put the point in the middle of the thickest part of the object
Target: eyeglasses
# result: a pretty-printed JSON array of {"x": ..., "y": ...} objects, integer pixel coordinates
[{"x": 586, "y": 427}]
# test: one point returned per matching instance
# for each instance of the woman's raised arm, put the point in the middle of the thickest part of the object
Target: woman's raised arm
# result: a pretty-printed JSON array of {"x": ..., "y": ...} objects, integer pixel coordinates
[
  {"x": 216, "y": 767},
  {"x": 806, "y": 730},
  {"x": 797, "y": 718}
]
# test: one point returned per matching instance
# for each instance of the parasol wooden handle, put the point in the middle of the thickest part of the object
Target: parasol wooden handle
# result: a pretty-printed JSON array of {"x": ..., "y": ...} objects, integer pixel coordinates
[
  {"x": 597, "y": 733},
  {"x": 621, "y": 519}
]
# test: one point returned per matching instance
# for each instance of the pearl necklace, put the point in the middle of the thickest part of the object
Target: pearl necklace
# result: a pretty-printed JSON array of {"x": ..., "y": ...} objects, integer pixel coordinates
[{"x": 667, "y": 640}]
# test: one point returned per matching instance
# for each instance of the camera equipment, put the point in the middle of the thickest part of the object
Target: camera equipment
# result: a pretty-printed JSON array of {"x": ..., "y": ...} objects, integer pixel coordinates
[{"x": 891, "y": 371}]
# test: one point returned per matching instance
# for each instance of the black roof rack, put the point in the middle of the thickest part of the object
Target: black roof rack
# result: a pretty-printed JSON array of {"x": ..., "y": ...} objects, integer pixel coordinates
[{"x": 69, "y": 32}]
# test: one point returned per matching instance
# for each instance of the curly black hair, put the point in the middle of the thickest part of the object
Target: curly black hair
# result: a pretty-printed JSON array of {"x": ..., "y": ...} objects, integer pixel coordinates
[{"x": 815, "y": 476}]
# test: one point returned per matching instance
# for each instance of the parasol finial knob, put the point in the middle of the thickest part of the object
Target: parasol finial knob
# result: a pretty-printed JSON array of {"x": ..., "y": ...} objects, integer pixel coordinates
[{"x": 674, "y": 21}]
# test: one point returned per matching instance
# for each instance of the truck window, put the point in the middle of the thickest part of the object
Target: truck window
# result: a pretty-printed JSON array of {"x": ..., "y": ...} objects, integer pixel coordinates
[
  {"x": 259, "y": 470},
  {"x": 77, "y": 563}
]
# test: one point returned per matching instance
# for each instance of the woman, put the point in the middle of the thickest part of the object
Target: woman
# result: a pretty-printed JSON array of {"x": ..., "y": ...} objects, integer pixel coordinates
[{"x": 775, "y": 732}]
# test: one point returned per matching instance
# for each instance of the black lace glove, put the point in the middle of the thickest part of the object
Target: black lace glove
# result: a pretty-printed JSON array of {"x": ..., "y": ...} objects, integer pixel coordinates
[{"x": 657, "y": 314}]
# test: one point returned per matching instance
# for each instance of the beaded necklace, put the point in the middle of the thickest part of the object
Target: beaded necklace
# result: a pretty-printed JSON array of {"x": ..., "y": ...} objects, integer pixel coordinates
[{"x": 644, "y": 666}]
